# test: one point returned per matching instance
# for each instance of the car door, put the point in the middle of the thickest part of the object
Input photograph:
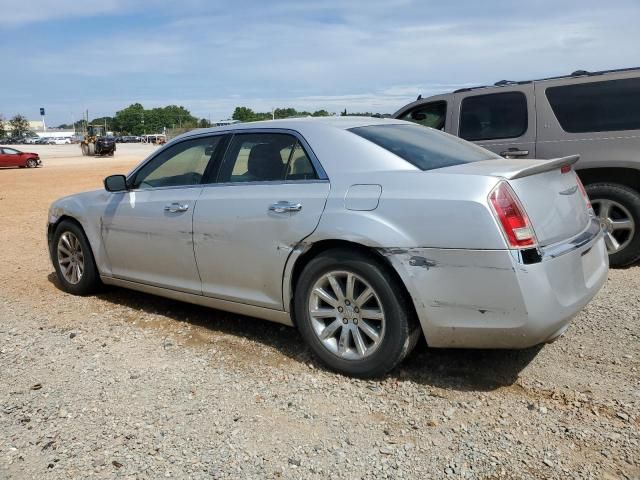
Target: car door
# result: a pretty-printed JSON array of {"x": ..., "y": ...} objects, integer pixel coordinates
[
  {"x": 503, "y": 121},
  {"x": 10, "y": 157},
  {"x": 4, "y": 158},
  {"x": 147, "y": 231},
  {"x": 269, "y": 195}
]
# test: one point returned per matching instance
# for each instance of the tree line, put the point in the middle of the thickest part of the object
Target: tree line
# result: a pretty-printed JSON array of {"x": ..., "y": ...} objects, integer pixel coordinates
[{"x": 137, "y": 120}]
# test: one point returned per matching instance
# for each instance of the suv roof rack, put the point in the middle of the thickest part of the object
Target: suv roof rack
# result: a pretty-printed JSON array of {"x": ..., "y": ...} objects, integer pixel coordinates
[{"x": 577, "y": 73}]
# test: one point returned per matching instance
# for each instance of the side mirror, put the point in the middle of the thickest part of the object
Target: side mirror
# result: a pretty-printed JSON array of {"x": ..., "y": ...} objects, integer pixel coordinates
[{"x": 115, "y": 183}]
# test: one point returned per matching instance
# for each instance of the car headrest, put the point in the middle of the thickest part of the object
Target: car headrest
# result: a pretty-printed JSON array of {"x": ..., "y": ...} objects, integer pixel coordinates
[{"x": 265, "y": 162}]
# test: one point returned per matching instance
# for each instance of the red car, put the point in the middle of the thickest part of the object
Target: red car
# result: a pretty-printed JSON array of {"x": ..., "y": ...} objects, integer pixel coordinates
[{"x": 10, "y": 157}]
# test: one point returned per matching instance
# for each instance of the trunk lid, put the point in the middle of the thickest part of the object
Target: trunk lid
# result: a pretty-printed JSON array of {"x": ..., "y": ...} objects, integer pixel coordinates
[{"x": 552, "y": 199}]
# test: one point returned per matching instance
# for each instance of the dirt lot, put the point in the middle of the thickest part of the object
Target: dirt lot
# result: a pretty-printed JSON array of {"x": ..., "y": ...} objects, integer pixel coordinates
[{"x": 124, "y": 384}]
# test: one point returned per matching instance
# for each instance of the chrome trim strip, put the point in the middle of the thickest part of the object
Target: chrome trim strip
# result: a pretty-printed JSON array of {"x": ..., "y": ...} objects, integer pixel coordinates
[
  {"x": 586, "y": 237},
  {"x": 277, "y": 316}
]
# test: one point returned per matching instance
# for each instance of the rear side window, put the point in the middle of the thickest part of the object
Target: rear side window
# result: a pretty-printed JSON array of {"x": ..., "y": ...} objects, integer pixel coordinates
[
  {"x": 493, "y": 116},
  {"x": 425, "y": 148},
  {"x": 432, "y": 114},
  {"x": 266, "y": 157},
  {"x": 597, "y": 106}
]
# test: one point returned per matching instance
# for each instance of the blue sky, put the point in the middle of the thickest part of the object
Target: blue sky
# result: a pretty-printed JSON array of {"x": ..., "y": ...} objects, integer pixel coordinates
[{"x": 211, "y": 56}]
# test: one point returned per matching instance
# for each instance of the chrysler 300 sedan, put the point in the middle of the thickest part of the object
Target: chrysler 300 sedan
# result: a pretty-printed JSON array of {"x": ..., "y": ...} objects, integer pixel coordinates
[{"x": 363, "y": 233}]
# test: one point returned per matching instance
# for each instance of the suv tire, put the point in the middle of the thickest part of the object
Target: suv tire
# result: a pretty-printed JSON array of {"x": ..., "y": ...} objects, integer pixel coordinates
[{"x": 624, "y": 203}]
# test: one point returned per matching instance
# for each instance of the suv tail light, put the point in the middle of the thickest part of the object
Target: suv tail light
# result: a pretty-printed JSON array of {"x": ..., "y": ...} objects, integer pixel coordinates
[
  {"x": 584, "y": 194},
  {"x": 512, "y": 217}
]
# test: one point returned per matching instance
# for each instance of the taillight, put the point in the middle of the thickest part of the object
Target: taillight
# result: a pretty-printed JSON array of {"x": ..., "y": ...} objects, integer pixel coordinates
[
  {"x": 512, "y": 217},
  {"x": 584, "y": 194}
]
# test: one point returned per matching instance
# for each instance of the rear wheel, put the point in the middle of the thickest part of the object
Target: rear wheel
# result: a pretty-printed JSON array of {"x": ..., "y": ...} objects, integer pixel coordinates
[
  {"x": 618, "y": 208},
  {"x": 73, "y": 260},
  {"x": 85, "y": 149},
  {"x": 31, "y": 163},
  {"x": 353, "y": 315}
]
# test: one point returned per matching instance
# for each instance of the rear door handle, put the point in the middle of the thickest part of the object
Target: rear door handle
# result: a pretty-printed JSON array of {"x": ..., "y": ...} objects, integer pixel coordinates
[
  {"x": 284, "y": 207},
  {"x": 176, "y": 207},
  {"x": 514, "y": 153}
]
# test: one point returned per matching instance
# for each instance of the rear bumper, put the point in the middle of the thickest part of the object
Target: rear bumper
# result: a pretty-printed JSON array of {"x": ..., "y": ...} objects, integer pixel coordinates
[{"x": 490, "y": 299}]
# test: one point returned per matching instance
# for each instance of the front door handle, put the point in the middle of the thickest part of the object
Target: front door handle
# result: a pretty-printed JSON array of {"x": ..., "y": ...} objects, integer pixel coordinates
[
  {"x": 284, "y": 207},
  {"x": 514, "y": 153},
  {"x": 176, "y": 207}
]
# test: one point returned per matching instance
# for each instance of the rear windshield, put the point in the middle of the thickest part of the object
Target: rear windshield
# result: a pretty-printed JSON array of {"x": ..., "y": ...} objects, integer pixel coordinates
[{"x": 423, "y": 147}]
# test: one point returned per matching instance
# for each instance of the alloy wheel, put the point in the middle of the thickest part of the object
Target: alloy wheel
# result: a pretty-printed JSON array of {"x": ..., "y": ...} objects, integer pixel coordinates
[
  {"x": 70, "y": 257},
  {"x": 346, "y": 315},
  {"x": 617, "y": 223}
]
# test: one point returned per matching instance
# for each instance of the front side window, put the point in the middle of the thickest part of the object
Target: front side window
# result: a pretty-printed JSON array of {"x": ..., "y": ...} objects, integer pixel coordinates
[
  {"x": 433, "y": 114},
  {"x": 493, "y": 116},
  {"x": 264, "y": 157},
  {"x": 597, "y": 106},
  {"x": 10, "y": 151},
  {"x": 424, "y": 148},
  {"x": 179, "y": 165}
]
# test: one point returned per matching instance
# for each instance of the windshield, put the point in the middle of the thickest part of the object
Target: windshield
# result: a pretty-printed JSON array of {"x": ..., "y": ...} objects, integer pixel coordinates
[{"x": 423, "y": 147}]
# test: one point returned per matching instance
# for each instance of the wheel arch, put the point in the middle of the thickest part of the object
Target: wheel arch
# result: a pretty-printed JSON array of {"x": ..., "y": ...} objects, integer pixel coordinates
[
  {"x": 311, "y": 251},
  {"x": 629, "y": 177}
]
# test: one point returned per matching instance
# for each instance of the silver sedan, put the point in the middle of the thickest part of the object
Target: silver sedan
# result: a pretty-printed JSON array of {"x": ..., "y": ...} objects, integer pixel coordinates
[{"x": 363, "y": 233}]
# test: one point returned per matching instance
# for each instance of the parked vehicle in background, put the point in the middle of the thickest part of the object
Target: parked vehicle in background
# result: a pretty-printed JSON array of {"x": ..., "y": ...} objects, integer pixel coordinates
[
  {"x": 61, "y": 141},
  {"x": 364, "y": 233},
  {"x": 10, "y": 157},
  {"x": 31, "y": 140},
  {"x": 593, "y": 114}
]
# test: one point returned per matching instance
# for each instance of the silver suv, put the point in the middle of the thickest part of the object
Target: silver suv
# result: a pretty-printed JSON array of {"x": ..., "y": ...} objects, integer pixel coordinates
[{"x": 594, "y": 114}]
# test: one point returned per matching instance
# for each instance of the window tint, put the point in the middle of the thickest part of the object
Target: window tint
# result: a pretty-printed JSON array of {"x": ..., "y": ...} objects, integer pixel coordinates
[
  {"x": 432, "y": 115},
  {"x": 10, "y": 151},
  {"x": 497, "y": 115},
  {"x": 597, "y": 106},
  {"x": 261, "y": 157},
  {"x": 180, "y": 164},
  {"x": 425, "y": 148}
]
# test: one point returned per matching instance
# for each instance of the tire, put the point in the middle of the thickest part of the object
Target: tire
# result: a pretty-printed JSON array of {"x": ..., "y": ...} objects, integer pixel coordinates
[
  {"x": 398, "y": 331},
  {"x": 31, "y": 163},
  {"x": 91, "y": 148},
  {"x": 622, "y": 203},
  {"x": 89, "y": 280},
  {"x": 85, "y": 149}
]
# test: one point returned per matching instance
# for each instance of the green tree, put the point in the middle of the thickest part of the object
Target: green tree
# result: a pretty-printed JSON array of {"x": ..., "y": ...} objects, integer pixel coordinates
[
  {"x": 110, "y": 122},
  {"x": 320, "y": 113},
  {"x": 3, "y": 127},
  {"x": 19, "y": 126},
  {"x": 204, "y": 123},
  {"x": 131, "y": 119},
  {"x": 243, "y": 114},
  {"x": 344, "y": 114}
]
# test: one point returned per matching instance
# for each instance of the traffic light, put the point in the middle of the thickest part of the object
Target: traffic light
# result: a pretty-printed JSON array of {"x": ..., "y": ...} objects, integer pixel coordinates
[{"x": 42, "y": 111}]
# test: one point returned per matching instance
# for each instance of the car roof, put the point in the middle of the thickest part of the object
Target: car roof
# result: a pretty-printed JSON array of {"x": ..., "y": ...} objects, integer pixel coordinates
[
  {"x": 299, "y": 124},
  {"x": 576, "y": 74}
]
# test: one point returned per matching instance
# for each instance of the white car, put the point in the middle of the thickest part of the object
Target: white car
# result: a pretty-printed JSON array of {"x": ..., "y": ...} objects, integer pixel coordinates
[{"x": 60, "y": 141}]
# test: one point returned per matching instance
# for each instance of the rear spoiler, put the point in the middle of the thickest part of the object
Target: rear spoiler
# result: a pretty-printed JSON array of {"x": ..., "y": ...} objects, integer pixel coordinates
[{"x": 543, "y": 166}]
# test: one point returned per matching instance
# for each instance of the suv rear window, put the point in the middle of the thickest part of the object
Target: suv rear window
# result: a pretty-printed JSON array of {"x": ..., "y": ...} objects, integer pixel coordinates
[
  {"x": 493, "y": 116},
  {"x": 423, "y": 147},
  {"x": 597, "y": 106}
]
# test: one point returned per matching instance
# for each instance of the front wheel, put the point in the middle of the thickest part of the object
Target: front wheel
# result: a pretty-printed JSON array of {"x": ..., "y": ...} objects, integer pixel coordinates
[
  {"x": 353, "y": 315},
  {"x": 618, "y": 208},
  {"x": 73, "y": 260},
  {"x": 31, "y": 163}
]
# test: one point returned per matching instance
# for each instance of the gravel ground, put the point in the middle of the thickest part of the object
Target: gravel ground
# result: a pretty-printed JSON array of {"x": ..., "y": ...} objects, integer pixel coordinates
[{"x": 124, "y": 384}]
